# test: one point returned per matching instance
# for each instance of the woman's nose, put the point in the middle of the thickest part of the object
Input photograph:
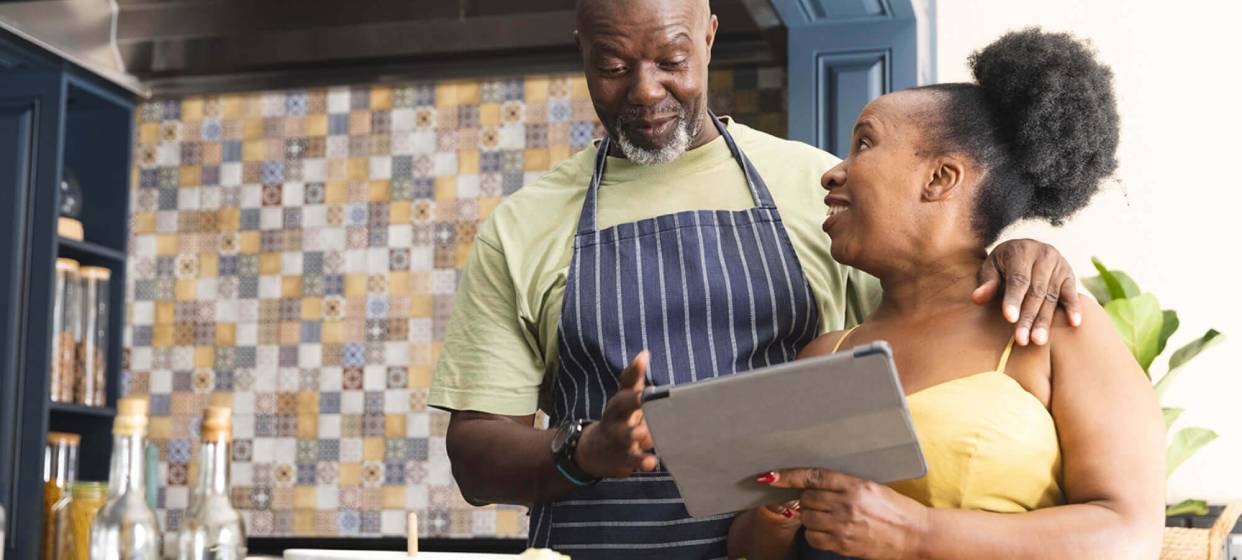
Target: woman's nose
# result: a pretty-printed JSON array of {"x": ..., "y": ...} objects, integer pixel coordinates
[{"x": 833, "y": 178}]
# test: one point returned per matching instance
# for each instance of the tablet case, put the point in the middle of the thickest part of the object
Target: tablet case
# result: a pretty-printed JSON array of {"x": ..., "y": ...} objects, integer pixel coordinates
[{"x": 845, "y": 411}]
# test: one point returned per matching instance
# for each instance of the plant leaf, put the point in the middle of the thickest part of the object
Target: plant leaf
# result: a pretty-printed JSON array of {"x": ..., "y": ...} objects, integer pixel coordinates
[
  {"x": 1185, "y": 443},
  {"x": 1170, "y": 416},
  {"x": 1098, "y": 288},
  {"x": 1185, "y": 354},
  {"x": 1187, "y": 507},
  {"x": 1140, "y": 322},
  {"x": 1119, "y": 284},
  {"x": 1171, "y": 323}
]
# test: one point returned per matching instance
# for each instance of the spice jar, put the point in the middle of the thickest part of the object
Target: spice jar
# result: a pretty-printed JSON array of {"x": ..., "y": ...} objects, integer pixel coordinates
[
  {"x": 66, "y": 330},
  {"x": 93, "y": 347},
  {"x": 60, "y": 469},
  {"x": 73, "y": 519}
]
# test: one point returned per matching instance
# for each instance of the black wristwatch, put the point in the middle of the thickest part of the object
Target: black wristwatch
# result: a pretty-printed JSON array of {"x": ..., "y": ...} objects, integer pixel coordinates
[{"x": 564, "y": 444}]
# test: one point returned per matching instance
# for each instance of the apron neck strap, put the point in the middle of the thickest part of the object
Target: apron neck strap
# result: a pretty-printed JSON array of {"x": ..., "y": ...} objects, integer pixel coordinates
[{"x": 758, "y": 188}]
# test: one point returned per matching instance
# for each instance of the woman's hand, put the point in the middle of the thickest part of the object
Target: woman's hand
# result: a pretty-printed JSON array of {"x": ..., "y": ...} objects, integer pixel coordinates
[{"x": 855, "y": 517}]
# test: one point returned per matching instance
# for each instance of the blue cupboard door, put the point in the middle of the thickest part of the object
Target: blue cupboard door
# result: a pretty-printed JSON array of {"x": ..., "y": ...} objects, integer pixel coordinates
[
  {"x": 31, "y": 126},
  {"x": 841, "y": 55}
]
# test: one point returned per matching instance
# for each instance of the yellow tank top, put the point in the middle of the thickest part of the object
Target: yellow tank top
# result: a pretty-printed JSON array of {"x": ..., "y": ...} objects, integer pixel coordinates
[{"x": 989, "y": 444}]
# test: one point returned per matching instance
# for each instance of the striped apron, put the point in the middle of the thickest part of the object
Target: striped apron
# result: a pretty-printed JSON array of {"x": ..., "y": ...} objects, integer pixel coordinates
[{"x": 709, "y": 293}]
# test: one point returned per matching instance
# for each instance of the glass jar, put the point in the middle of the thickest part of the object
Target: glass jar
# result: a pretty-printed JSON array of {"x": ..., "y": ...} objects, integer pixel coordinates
[
  {"x": 60, "y": 469},
  {"x": 93, "y": 348},
  {"x": 66, "y": 330},
  {"x": 74, "y": 515}
]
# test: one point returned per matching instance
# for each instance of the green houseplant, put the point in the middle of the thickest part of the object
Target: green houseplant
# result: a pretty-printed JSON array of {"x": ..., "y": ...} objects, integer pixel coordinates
[{"x": 1146, "y": 329}]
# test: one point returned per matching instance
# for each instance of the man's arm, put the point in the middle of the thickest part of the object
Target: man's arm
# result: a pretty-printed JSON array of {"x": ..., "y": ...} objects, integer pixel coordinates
[{"x": 1035, "y": 279}]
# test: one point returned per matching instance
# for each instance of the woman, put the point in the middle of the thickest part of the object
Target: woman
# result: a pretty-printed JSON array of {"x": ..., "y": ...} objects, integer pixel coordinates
[{"x": 1052, "y": 451}]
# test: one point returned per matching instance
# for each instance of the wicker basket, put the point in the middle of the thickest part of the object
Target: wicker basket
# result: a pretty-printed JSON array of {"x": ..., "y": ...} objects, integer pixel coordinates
[{"x": 1200, "y": 544}]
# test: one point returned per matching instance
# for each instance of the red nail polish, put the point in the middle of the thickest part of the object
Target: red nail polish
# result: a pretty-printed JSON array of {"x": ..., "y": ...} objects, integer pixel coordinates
[
  {"x": 766, "y": 478},
  {"x": 787, "y": 513}
]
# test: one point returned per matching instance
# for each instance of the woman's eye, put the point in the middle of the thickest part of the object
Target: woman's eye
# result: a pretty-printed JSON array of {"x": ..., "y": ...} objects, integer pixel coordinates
[{"x": 863, "y": 145}]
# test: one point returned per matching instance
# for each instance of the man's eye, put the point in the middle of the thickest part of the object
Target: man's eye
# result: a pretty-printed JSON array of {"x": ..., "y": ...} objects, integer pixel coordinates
[
  {"x": 679, "y": 63},
  {"x": 612, "y": 70}
]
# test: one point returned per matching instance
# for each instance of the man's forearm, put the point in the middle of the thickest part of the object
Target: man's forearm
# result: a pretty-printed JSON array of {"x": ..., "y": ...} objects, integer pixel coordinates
[{"x": 497, "y": 459}]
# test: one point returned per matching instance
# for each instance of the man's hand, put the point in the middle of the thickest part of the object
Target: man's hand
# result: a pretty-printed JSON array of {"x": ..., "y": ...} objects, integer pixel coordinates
[
  {"x": 1037, "y": 279},
  {"x": 620, "y": 443}
]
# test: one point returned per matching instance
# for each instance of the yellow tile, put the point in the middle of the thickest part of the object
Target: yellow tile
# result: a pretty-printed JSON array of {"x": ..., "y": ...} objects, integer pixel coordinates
[
  {"x": 308, "y": 403},
  {"x": 226, "y": 334},
  {"x": 250, "y": 242},
  {"x": 359, "y": 168},
  {"x": 372, "y": 449},
  {"x": 489, "y": 114},
  {"x": 420, "y": 305},
  {"x": 446, "y": 94},
  {"x": 536, "y": 159},
  {"x": 304, "y": 497},
  {"x": 381, "y": 97},
  {"x": 377, "y": 191},
  {"x": 269, "y": 264},
  {"x": 144, "y": 222},
  {"x": 290, "y": 333},
  {"x": 399, "y": 212},
  {"x": 316, "y": 125},
  {"x": 159, "y": 427},
  {"x": 162, "y": 336},
  {"x": 191, "y": 109},
  {"x": 303, "y": 522},
  {"x": 446, "y": 188},
  {"x": 350, "y": 475},
  {"x": 312, "y": 309},
  {"x": 308, "y": 426},
  {"x": 212, "y": 154},
  {"x": 252, "y": 129},
  {"x": 186, "y": 290},
  {"x": 335, "y": 192},
  {"x": 467, "y": 93},
  {"x": 165, "y": 312},
  {"x": 230, "y": 106},
  {"x": 578, "y": 89},
  {"x": 332, "y": 332},
  {"x": 252, "y": 150},
  {"x": 420, "y": 377},
  {"x": 487, "y": 204},
  {"x": 536, "y": 89},
  {"x": 507, "y": 522},
  {"x": 228, "y": 219},
  {"x": 208, "y": 265},
  {"x": 468, "y": 162},
  {"x": 291, "y": 286},
  {"x": 394, "y": 425},
  {"x": 204, "y": 357},
  {"x": 394, "y": 499},
  {"x": 359, "y": 123},
  {"x": 398, "y": 283},
  {"x": 559, "y": 153},
  {"x": 355, "y": 285},
  {"x": 149, "y": 133},
  {"x": 166, "y": 245},
  {"x": 463, "y": 254},
  {"x": 336, "y": 170}
]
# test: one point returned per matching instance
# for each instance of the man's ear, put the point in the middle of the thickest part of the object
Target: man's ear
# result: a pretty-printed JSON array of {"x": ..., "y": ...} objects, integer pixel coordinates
[
  {"x": 712, "y": 24},
  {"x": 945, "y": 180}
]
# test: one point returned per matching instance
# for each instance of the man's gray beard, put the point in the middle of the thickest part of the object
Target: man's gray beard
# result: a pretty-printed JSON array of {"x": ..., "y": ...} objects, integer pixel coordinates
[{"x": 686, "y": 130}]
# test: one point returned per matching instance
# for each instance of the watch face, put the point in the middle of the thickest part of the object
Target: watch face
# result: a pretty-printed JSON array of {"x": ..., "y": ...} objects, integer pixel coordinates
[{"x": 563, "y": 431}]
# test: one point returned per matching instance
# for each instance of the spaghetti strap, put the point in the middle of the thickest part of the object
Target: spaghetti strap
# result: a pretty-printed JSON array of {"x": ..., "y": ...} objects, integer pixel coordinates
[
  {"x": 842, "y": 339},
  {"x": 1005, "y": 356}
]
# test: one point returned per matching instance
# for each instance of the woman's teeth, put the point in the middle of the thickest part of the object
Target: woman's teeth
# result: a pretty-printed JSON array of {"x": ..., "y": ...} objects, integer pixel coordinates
[{"x": 834, "y": 210}]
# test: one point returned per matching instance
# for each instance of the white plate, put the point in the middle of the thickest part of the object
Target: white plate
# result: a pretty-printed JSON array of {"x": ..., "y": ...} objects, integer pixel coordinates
[{"x": 311, "y": 554}]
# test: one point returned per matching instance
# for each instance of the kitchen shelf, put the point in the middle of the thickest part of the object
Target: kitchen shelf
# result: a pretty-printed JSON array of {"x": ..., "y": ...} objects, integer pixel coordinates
[
  {"x": 81, "y": 410},
  {"x": 73, "y": 247}
]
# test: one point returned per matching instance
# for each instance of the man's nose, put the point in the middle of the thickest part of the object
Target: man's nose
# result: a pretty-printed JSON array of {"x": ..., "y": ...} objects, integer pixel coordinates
[{"x": 646, "y": 88}]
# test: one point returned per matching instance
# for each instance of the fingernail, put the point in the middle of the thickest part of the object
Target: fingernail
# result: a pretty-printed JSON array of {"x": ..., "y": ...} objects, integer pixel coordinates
[
  {"x": 766, "y": 478},
  {"x": 1076, "y": 318},
  {"x": 1023, "y": 335},
  {"x": 788, "y": 513},
  {"x": 1040, "y": 336},
  {"x": 1011, "y": 313}
]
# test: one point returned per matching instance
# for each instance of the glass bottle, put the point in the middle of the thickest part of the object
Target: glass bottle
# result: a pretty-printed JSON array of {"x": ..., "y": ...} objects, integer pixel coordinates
[
  {"x": 211, "y": 528},
  {"x": 74, "y": 514},
  {"x": 126, "y": 528},
  {"x": 66, "y": 330},
  {"x": 93, "y": 348},
  {"x": 60, "y": 469}
]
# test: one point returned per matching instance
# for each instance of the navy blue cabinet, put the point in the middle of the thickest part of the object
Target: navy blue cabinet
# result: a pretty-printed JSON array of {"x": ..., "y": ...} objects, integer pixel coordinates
[{"x": 53, "y": 115}]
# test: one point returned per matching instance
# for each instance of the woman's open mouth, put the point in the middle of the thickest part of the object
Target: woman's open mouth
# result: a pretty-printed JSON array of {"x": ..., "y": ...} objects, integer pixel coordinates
[{"x": 837, "y": 206}]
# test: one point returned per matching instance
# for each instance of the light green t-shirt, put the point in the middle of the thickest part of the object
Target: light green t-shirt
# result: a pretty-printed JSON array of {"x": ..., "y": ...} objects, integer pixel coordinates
[{"x": 501, "y": 343}]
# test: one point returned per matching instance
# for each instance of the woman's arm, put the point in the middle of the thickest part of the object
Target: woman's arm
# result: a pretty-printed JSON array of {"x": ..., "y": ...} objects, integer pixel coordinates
[{"x": 1112, "y": 441}]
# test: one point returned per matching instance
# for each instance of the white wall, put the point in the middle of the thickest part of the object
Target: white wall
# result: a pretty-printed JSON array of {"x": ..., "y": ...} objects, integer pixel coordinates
[{"x": 1171, "y": 218}]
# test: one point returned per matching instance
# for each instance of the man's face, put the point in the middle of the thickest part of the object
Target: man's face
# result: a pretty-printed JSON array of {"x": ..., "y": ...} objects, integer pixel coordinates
[{"x": 646, "y": 68}]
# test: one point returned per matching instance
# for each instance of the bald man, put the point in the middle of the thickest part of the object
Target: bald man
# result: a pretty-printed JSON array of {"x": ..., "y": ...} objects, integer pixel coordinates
[{"x": 679, "y": 248}]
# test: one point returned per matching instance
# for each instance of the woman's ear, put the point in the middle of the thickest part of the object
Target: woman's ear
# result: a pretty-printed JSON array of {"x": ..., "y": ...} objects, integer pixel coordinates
[{"x": 947, "y": 175}]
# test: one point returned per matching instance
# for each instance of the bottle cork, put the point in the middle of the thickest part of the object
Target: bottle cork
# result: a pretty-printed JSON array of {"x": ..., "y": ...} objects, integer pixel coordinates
[
  {"x": 95, "y": 272},
  {"x": 63, "y": 438},
  {"x": 131, "y": 416},
  {"x": 217, "y": 423}
]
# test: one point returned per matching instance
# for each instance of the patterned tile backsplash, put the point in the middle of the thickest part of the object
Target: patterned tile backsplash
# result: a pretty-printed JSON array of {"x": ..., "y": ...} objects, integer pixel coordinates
[{"x": 298, "y": 251}]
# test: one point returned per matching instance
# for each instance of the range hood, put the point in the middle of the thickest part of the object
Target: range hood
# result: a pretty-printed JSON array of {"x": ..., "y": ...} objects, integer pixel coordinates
[{"x": 80, "y": 31}]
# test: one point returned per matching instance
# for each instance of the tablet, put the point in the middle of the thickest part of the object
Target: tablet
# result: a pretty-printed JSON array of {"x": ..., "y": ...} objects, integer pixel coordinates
[{"x": 845, "y": 411}]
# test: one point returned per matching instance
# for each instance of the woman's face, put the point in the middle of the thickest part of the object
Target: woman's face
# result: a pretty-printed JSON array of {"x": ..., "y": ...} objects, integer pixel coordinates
[{"x": 876, "y": 207}]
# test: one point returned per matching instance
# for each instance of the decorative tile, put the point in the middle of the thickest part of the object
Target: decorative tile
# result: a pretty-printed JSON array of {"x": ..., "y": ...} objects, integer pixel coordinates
[{"x": 298, "y": 250}]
